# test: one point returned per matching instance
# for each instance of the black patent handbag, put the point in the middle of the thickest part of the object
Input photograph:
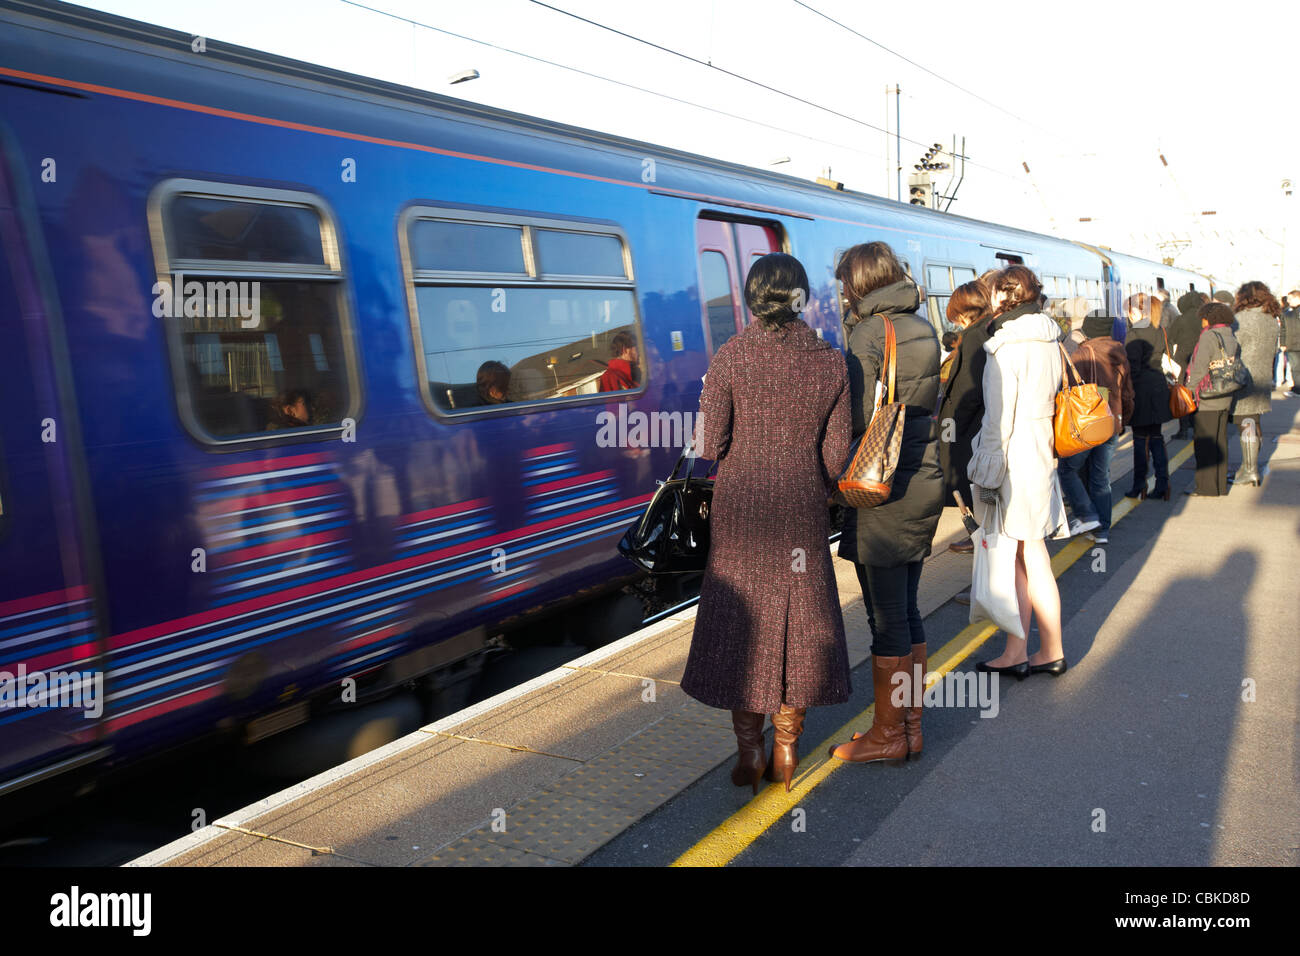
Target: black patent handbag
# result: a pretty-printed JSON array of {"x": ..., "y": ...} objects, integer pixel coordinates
[{"x": 672, "y": 536}]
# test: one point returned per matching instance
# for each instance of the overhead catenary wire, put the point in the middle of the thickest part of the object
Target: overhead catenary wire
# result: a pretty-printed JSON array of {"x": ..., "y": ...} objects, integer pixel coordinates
[
  {"x": 930, "y": 72},
  {"x": 745, "y": 79},
  {"x": 607, "y": 79}
]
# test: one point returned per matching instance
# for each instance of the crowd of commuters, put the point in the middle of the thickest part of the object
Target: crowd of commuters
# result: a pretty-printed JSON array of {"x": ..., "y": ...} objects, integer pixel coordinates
[{"x": 780, "y": 410}]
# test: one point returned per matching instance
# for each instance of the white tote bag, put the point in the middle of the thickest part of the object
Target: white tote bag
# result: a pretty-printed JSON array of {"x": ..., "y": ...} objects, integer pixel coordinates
[{"x": 993, "y": 579}]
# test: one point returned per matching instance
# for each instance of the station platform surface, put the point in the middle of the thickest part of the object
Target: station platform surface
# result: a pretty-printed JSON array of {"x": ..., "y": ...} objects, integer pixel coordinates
[{"x": 1144, "y": 753}]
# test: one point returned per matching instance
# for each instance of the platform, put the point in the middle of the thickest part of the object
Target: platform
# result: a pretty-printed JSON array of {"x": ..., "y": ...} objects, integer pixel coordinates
[{"x": 606, "y": 761}]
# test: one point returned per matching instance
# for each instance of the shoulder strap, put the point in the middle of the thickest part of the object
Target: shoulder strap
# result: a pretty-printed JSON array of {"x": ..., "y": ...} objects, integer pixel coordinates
[
  {"x": 1067, "y": 366},
  {"x": 891, "y": 357},
  {"x": 1166, "y": 335}
]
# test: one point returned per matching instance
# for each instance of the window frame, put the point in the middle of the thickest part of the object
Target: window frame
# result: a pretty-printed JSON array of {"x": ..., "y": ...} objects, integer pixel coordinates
[
  {"x": 412, "y": 279},
  {"x": 332, "y": 271},
  {"x": 948, "y": 264}
]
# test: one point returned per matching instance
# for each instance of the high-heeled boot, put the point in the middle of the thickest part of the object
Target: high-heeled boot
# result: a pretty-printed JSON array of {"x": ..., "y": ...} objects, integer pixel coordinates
[
  {"x": 887, "y": 738},
  {"x": 912, "y": 714},
  {"x": 787, "y": 725},
  {"x": 1248, "y": 473},
  {"x": 751, "y": 755}
]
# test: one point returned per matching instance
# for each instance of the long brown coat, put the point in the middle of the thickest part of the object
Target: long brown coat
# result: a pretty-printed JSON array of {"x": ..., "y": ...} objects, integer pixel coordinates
[{"x": 775, "y": 414}]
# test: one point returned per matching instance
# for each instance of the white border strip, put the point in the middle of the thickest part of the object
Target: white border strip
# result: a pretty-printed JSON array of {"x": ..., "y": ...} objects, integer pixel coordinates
[{"x": 245, "y": 815}]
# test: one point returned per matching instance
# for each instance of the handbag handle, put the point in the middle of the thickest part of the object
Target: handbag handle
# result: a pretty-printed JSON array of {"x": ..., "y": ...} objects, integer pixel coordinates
[
  {"x": 1067, "y": 366},
  {"x": 690, "y": 465}
]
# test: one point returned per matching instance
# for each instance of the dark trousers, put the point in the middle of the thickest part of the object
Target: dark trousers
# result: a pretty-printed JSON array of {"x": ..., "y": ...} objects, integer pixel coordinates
[
  {"x": 1210, "y": 442},
  {"x": 890, "y": 597},
  {"x": 1149, "y": 440}
]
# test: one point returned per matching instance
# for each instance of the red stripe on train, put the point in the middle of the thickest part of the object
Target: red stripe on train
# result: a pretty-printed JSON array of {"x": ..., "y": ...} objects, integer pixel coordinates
[
  {"x": 547, "y": 450},
  {"x": 445, "y": 510},
  {"x": 269, "y": 464},
  {"x": 48, "y": 599},
  {"x": 570, "y": 482},
  {"x": 214, "y": 615},
  {"x": 275, "y": 498},
  {"x": 166, "y": 707}
]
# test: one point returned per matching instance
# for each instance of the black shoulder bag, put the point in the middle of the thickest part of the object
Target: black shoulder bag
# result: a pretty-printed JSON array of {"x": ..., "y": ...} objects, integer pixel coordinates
[{"x": 672, "y": 536}]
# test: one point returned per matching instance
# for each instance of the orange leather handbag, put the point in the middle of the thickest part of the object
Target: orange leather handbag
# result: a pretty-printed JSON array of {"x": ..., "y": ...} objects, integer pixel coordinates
[
  {"x": 1083, "y": 419},
  {"x": 869, "y": 476},
  {"x": 1181, "y": 400}
]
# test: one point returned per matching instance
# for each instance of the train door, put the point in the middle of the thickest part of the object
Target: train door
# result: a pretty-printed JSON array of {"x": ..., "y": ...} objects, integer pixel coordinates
[
  {"x": 51, "y": 647},
  {"x": 726, "y": 251}
]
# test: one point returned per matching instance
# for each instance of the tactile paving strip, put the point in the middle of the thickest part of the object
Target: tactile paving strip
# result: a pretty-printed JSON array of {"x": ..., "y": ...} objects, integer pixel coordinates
[
  {"x": 561, "y": 826},
  {"x": 630, "y": 781},
  {"x": 474, "y": 850}
]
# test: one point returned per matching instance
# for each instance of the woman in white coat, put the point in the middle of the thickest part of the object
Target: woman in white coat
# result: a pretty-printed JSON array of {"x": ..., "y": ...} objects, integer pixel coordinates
[{"x": 1013, "y": 464}]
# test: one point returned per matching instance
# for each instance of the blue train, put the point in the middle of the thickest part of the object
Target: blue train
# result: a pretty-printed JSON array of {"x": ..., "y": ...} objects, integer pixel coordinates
[{"x": 304, "y": 375}]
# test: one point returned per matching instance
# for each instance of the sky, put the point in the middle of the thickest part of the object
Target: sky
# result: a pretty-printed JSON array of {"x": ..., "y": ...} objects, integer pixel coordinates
[{"x": 1088, "y": 97}]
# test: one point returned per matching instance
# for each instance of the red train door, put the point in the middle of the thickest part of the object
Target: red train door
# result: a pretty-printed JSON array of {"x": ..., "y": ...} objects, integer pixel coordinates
[{"x": 726, "y": 251}]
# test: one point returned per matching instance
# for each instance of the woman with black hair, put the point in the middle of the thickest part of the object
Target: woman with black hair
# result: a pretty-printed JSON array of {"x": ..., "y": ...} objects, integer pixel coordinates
[
  {"x": 889, "y": 543},
  {"x": 769, "y": 635},
  {"x": 1210, "y": 423},
  {"x": 1150, "y": 412}
]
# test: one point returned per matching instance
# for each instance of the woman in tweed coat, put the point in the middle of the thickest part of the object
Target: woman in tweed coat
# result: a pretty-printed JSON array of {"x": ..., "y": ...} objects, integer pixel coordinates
[
  {"x": 769, "y": 635},
  {"x": 1257, "y": 334}
]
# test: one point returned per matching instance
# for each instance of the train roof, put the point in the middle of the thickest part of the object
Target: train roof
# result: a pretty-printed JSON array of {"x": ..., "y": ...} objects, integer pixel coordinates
[{"x": 171, "y": 41}]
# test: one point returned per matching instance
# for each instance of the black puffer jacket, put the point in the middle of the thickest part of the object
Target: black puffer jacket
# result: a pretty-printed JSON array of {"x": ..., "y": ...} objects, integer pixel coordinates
[
  {"x": 1186, "y": 330},
  {"x": 963, "y": 405},
  {"x": 1150, "y": 390},
  {"x": 900, "y": 530}
]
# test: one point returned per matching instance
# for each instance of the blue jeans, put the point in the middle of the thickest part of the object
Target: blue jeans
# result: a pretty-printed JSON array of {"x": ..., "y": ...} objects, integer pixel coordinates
[{"x": 1094, "y": 501}]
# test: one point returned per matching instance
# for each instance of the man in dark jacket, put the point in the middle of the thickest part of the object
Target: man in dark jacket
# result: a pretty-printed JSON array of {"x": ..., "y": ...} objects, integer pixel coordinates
[
  {"x": 1102, "y": 361},
  {"x": 961, "y": 413},
  {"x": 1291, "y": 338}
]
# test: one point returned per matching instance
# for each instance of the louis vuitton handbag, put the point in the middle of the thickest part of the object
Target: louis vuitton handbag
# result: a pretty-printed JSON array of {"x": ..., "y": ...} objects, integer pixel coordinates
[
  {"x": 869, "y": 476},
  {"x": 672, "y": 535}
]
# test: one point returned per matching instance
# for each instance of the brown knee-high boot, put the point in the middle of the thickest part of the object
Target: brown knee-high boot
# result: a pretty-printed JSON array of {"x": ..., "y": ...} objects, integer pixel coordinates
[
  {"x": 788, "y": 726},
  {"x": 751, "y": 757},
  {"x": 887, "y": 739},
  {"x": 912, "y": 714}
]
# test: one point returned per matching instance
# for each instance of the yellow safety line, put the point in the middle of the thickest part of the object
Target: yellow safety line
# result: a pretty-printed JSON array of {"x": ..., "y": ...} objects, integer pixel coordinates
[{"x": 747, "y": 824}]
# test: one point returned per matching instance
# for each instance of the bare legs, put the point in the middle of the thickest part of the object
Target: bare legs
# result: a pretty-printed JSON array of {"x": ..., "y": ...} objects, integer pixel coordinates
[{"x": 1040, "y": 600}]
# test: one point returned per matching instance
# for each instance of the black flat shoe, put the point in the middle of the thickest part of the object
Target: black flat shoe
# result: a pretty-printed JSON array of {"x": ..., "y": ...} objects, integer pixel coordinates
[
  {"x": 1055, "y": 668},
  {"x": 1018, "y": 671}
]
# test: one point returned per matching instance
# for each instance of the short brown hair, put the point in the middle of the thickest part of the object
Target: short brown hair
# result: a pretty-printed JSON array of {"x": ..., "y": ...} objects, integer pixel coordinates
[
  {"x": 1019, "y": 285},
  {"x": 1255, "y": 295},
  {"x": 867, "y": 267},
  {"x": 969, "y": 303},
  {"x": 621, "y": 342},
  {"x": 1215, "y": 313}
]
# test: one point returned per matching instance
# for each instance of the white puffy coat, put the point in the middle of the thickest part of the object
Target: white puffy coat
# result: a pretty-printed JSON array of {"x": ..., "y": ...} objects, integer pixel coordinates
[{"x": 1014, "y": 449}]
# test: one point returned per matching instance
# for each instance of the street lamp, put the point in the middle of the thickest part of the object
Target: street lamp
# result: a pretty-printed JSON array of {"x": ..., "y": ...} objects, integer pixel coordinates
[{"x": 464, "y": 76}]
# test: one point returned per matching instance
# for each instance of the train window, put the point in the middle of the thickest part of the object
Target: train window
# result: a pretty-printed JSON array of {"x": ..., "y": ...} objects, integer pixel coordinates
[
  {"x": 250, "y": 287},
  {"x": 233, "y": 230},
  {"x": 544, "y": 310},
  {"x": 960, "y": 276},
  {"x": 442, "y": 246},
  {"x": 716, "y": 283},
  {"x": 579, "y": 254}
]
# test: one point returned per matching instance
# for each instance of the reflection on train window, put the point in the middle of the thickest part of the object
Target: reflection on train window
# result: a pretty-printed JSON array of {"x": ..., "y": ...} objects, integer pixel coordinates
[
  {"x": 578, "y": 254},
  {"x": 202, "y": 227},
  {"x": 257, "y": 316},
  {"x": 563, "y": 325},
  {"x": 715, "y": 280},
  {"x": 287, "y": 372}
]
